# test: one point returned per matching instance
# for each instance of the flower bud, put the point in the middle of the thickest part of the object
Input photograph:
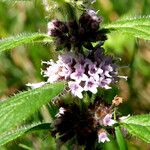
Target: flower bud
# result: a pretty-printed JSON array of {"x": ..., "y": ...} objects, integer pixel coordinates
[{"x": 57, "y": 28}]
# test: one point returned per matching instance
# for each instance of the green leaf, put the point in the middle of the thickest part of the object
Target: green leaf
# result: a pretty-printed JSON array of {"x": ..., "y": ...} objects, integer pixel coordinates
[
  {"x": 138, "y": 126},
  {"x": 25, "y": 38},
  {"x": 136, "y": 26},
  {"x": 18, "y": 108},
  {"x": 120, "y": 139},
  {"x": 13, "y": 134}
]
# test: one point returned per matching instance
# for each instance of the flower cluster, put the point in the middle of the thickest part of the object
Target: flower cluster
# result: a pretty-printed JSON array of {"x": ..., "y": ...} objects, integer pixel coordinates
[
  {"x": 82, "y": 73},
  {"x": 87, "y": 125},
  {"x": 77, "y": 33},
  {"x": 85, "y": 68}
]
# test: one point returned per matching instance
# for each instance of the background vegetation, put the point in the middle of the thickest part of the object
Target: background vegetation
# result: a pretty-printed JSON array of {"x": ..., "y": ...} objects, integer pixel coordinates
[{"x": 23, "y": 64}]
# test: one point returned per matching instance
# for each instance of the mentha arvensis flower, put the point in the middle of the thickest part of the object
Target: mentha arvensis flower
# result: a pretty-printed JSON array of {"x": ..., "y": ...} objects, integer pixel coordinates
[
  {"x": 83, "y": 73},
  {"x": 102, "y": 136},
  {"x": 108, "y": 121}
]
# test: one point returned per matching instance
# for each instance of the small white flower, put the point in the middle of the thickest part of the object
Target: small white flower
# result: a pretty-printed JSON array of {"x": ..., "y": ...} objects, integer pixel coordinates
[
  {"x": 76, "y": 89},
  {"x": 102, "y": 137},
  {"x": 107, "y": 121},
  {"x": 61, "y": 112},
  {"x": 36, "y": 85},
  {"x": 52, "y": 72}
]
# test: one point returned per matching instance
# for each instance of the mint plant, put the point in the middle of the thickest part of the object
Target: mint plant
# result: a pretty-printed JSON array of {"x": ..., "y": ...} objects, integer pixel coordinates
[{"x": 75, "y": 82}]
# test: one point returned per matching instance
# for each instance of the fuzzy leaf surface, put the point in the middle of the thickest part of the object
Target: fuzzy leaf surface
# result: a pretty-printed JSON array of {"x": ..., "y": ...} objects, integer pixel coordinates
[
  {"x": 138, "y": 126},
  {"x": 17, "y": 109},
  {"x": 136, "y": 26},
  {"x": 15, "y": 133},
  {"x": 25, "y": 38}
]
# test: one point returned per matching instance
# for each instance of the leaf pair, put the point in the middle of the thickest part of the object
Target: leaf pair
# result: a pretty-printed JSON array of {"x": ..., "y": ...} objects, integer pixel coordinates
[{"x": 138, "y": 27}]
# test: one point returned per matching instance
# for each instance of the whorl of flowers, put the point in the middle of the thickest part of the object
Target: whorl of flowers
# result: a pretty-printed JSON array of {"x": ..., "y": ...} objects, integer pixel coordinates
[
  {"x": 77, "y": 33},
  {"x": 87, "y": 125},
  {"x": 82, "y": 73}
]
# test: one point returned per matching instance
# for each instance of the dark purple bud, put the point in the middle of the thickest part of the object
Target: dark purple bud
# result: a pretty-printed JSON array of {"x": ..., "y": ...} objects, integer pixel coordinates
[
  {"x": 73, "y": 39},
  {"x": 72, "y": 25},
  {"x": 101, "y": 37},
  {"x": 57, "y": 28},
  {"x": 55, "y": 32},
  {"x": 81, "y": 31},
  {"x": 60, "y": 40},
  {"x": 84, "y": 19},
  {"x": 94, "y": 26}
]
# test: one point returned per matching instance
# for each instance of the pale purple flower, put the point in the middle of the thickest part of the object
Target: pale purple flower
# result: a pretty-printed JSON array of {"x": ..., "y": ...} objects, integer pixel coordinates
[
  {"x": 61, "y": 112},
  {"x": 80, "y": 59},
  {"x": 65, "y": 72},
  {"x": 104, "y": 82},
  {"x": 108, "y": 121},
  {"x": 91, "y": 85},
  {"x": 66, "y": 59},
  {"x": 79, "y": 75},
  {"x": 102, "y": 137},
  {"x": 76, "y": 89},
  {"x": 87, "y": 62},
  {"x": 82, "y": 73},
  {"x": 100, "y": 71},
  {"x": 108, "y": 70},
  {"x": 93, "y": 71},
  {"x": 93, "y": 14}
]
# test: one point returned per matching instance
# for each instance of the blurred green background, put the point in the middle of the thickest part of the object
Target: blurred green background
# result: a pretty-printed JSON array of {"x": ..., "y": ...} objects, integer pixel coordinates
[{"x": 23, "y": 64}]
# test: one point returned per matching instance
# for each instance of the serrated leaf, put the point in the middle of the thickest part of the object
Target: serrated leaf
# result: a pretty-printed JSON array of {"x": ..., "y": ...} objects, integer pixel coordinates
[
  {"x": 13, "y": 134},
  {"x": 138, "y": 126},
  {"x": 25, "y": 38},
  {"x": 136, "y": 26},
  {"x": 18, "y": 108}
]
